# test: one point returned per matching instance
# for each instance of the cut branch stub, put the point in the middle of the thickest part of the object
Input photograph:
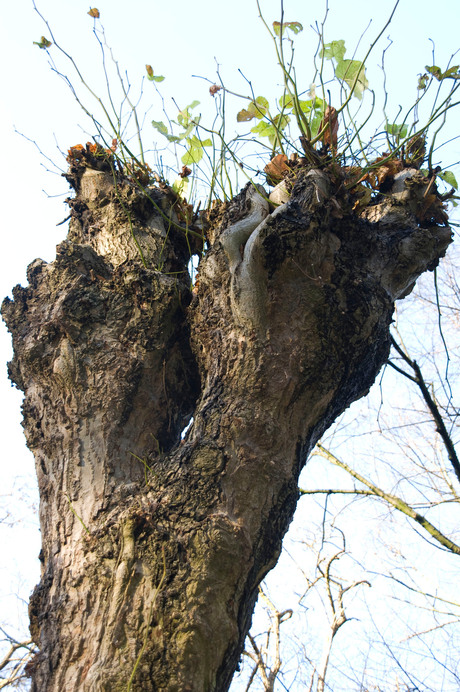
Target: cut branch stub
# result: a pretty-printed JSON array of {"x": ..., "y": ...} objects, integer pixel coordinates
[{"x": 153, "y": 548}]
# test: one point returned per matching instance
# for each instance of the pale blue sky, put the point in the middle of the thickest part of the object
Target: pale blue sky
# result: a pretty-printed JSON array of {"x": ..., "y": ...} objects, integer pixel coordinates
[{"x": 179, "y": 39}]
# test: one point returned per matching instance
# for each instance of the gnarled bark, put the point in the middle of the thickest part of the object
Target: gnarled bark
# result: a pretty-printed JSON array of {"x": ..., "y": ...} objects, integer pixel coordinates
[{"x": 153, "y": 547}]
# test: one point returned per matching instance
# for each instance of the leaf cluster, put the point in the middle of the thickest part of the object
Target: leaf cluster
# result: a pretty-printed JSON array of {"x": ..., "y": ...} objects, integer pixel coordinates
[
  {"x": 315, "y": 124},
  {"x": 189, "y": 124}
]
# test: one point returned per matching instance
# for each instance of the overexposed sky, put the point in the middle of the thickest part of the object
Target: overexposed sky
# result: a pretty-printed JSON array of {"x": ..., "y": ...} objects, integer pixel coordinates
[{"x": 179, "y": 39}]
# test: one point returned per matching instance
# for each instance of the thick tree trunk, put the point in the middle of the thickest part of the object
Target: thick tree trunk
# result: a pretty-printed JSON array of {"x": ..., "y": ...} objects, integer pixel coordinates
[{"x": 153, "y": 547}]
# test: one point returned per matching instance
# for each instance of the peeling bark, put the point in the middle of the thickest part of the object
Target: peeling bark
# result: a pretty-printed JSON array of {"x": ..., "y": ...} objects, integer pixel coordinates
[{"x": 153, "y": 547}]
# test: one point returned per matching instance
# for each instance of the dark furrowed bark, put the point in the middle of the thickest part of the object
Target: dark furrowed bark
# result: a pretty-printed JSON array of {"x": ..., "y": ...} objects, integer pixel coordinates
[{"x": 153, "y": 547}]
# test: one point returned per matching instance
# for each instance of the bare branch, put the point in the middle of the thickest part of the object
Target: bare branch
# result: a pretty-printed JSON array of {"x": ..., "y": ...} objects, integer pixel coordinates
[
  {"x": 394, "y": 501},
  {"x": 431, "y": 404}
]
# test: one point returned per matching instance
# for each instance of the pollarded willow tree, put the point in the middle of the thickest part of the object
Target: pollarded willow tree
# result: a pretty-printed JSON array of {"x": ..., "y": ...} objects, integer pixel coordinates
[{"x": 154, "y": 543}]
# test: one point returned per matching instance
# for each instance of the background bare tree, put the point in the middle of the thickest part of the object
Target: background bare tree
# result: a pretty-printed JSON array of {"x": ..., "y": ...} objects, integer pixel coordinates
[{"x": 16, "y": 646}]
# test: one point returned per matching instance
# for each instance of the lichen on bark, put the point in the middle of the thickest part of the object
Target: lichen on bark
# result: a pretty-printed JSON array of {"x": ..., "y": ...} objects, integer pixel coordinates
[{"x": 154, "y": 546}]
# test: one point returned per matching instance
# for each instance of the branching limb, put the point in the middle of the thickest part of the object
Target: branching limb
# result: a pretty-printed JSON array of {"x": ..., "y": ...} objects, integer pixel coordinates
[
  {"x": 419, "y": 380},
  {"x": 394, "y": 501},
  {"x": 14, "y": 660},
  {"x": 337, "y": 608},
  {"x": 268, "y": 670}
]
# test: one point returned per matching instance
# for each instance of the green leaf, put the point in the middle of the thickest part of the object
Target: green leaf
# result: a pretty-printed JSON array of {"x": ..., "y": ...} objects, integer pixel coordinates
[
  {"x": 281, "y": 121},
  {"x": 286, "y": 101},
  {"x": 449, "y": 178},
  {"x": 271, "y": 130},
  {"x": 315, "y": 122},
  {"x": 151, "y": 75},
  {"x": 353, "y": 73},
  {"x": 180, "y": 186},
  {"x": 451, "y": 73},
  {"x": 305, "y": 106},
  {"x": 160, "y": 126},
  {"x": 189, "y": 129},
  {"x": 435, "y": 71},
  {"x": 195, "y": 142},
  {"x": 192, "y": 155},
  {"x": 320, "y": 104},
  {"x": 333, "y": 50},
  {"x": 295, "y": 27},
  {"x": 422, "y": 82},
  {"x": 43, "y": 43},
  {"x": 258, "y": 107},
  {"x": 398, "y": 131},
  {"x": 263, "y": 129},
  {"x": 183, "y": 117},
  {"x": 316, "y": 104},
  {"x": 279, "y": 29}
]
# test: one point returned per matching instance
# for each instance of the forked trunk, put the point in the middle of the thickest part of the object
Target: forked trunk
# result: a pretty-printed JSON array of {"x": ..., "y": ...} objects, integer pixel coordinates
[{"x": 153, "y": 546}]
